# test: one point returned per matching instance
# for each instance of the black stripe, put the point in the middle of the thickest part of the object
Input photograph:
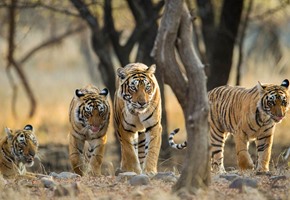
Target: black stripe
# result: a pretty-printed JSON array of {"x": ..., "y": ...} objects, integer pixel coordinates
[
  {"x": 216, "y": 139},
  {"x": 6, "y": 166},
  {"x": 251, "y": 127},
  {"x": 150, "y": 127},
  {"x": 150, "y": 115},
  {"x": 215, "y": 152},
  {"x": 269, "y": 128},
  {"x": 127, "y": 129},
  {"x": 140, "y": 142},
  {"x": 267, "y": 136},
  {"x": 129, "y": 123},
  {"x": 257, "y": 118},
  {"x": 216, "y": 145}
]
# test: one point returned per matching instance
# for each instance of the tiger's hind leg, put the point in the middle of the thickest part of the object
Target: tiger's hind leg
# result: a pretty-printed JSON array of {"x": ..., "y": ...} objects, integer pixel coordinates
[
  {"x": 217, "y": 140},
  {"x": 243, "y": 156},
  {"x": 76, "y": 155}
]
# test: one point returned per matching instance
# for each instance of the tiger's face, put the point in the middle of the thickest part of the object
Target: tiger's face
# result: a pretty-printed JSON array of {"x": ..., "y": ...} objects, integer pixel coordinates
[
  {"x": 93, "y": 111},
  {"x": 24, "y": 145},
  {"x": 275, "y": 100},
  {"x": 137, "y": 86}
]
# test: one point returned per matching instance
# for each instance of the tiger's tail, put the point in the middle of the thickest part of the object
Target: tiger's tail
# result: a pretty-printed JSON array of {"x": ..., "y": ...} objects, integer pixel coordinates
[{"x": 173, "y": 144}]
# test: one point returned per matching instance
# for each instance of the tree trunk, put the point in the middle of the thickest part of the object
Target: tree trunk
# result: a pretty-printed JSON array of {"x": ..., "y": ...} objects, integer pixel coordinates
[
  {"x": 222, "y": 52},
  {"x": 176, "y": 29}
]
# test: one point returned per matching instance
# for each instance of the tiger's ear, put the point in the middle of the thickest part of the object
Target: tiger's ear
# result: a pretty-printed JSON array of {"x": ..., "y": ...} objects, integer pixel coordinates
[
  {"x": 121, "y": 73},
  {"x": 285, "y": 83},
  {"x": 151, "y": 69},
  {"x": 104, "y": 92},
  {"x": 79, "y": 93},
  {"x": 260, "y": 87},
  {"x": 28, "y": 127},
  {"x": 9, "y": 133}
]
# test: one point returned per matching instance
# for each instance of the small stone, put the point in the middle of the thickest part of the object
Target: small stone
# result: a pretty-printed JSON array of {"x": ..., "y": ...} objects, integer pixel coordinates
[
  {"x": 165, "y": 176},
  {"x": 239, "y": 183},
  {"x": 229, "y": 177},
  {"x": 64, "y": 175},
  {"x": 277, "y": 178},
  {"x": 48, "y": 183},
  {"x": 125, "y": 176},
  {"x": 139, "y": 180}
]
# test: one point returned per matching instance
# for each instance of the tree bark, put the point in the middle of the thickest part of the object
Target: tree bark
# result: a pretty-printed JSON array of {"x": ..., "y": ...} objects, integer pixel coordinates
[
  {"x": 222, "y": 51},
  {"x": 176, "y": 31}
]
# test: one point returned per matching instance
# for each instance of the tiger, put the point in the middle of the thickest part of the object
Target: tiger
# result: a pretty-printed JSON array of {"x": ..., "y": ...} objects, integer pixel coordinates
[
  {"x": 89, "y": 116},
  {"x": 137, "y": 117},
  {"x": 18, "y": 150},
  {"x": 249, "y": 115}
]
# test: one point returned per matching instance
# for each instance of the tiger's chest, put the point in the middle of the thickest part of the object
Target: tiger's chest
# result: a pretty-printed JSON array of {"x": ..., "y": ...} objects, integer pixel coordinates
[{"x": 139, "y": 122}]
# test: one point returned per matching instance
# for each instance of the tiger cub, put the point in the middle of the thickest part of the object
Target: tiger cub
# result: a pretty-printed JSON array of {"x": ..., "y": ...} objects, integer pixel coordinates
[
  {"x": 249, "y": 114},
  {"x": 137, "y": 116},
  {"x": 89, "y": 117},
  {"x": 18, "y": 150}
]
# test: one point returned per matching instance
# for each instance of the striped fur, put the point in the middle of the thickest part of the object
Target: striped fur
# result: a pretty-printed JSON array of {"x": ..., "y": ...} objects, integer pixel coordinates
[
  {"x": 248, "y": 114},
  {"x": 137, "y": 116},
  {"x": 89, "y": 117},
  {"x": 18, "y": 150}
]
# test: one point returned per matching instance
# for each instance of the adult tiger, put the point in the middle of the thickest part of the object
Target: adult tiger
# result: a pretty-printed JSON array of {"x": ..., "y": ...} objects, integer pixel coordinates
[
  {"x": 249, "y": 114},
  {"x": 137, "y": 116},
  {"x": 18, "y": 150},
  {"x": 89, "y": 117}
]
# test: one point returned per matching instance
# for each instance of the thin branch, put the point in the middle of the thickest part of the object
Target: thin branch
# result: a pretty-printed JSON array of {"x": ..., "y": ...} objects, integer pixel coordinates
[
  {"x": 270, "y": 12},
  {"x": 241, "y": 41},
  {"x": 51, "y": 41},
  {"x": 11, "y": 48}
]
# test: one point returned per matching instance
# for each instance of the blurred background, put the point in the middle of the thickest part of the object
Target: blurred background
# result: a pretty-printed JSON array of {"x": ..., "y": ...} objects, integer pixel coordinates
[{"x": 50, "y": 48}]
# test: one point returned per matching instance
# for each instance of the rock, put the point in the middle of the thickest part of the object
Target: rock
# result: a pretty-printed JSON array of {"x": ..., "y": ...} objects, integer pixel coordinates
[
  {"x": 125, "y": 176},
  {"x": 277, "y": 178},
  {"x": 239, "y": 183},
  {"x": 48, "y": 183},
  {"x": 165, "y": 176},
  {"x": 229, "y": 177},
  {"x": 139, "y": 180},
  {"x": 64, "y": 175}
]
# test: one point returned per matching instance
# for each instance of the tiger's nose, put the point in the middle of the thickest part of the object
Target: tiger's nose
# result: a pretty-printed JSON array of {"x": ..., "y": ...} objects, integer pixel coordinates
[
  {"x": 32, "y": 153},
  {"x": 142, "y": 103}
]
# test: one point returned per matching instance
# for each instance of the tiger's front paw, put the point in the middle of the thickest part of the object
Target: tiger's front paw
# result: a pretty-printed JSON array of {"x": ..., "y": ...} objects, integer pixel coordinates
[{"x": 244, "y": 161}]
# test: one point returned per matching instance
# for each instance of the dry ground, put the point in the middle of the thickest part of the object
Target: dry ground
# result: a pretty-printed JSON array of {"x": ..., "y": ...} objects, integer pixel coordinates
[{"x": 110, "y": 187}]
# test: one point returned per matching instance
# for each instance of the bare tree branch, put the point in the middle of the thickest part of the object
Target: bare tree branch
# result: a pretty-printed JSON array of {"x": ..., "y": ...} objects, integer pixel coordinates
[
  {"x": 164, "y": 54},
  {"x": 100, "y": 46},
  {"x": 51, "y": 41},
  {"x": 12, "y": 62},
  {"x": 241, "y": 42}
]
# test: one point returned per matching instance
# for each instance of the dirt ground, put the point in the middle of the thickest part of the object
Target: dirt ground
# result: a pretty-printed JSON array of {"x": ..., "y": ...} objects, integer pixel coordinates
[{"x": 270, "y": 186}]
